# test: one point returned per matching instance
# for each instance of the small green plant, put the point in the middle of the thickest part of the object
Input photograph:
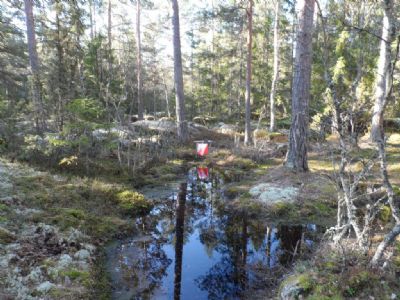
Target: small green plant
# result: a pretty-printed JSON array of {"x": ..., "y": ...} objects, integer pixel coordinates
[{"x": 133, "y": 203}]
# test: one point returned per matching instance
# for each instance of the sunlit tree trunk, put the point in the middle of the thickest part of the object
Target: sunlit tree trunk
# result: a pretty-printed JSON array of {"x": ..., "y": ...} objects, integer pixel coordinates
[
  {"x": 296, "y": 158},
  {"x": 276, "y": 66},
  {"x": 34, "y": 63},
  {"x": 91, "y": 17},
  {"x": 382, "y": 93},
  {"x": 383, "y": 80},
  {"x": 247, "y": 133},
  {"x": 183, "y": 133},
  {"x": 139, "y": 62}
]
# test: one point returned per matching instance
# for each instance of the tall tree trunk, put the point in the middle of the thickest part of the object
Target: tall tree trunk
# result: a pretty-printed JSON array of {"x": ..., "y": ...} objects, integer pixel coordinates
[
  {"x": 107, "y": 97},
  {"x": 166, "y": 96},
  {"x": 183, "y": 134},
  {"x": 35, "y": 69},
  {"x": 276, "y": 66},
  {"x": 382, "y": 92},
  {"x": 61, "y": 70},
  {"x": 296, "y": 157},
  {"x": 91, "y": 17},
  {"x": 247, "y": 133},
  {"x": 139, "y": 62},
  {"x": 383, "y": 80}
]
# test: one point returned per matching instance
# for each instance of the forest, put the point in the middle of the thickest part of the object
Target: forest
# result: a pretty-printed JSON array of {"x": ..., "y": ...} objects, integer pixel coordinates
[{"x": 209, "y": 149}]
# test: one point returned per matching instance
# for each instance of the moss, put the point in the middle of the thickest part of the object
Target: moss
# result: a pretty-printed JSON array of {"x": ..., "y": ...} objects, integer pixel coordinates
[
  {"x": 385, "y": 214},
  {"x": 283, "y": 208},
  {"x": 100, "y": 284},
  {"x": 231, "y": 175},
  {"x": 231, "y": 192},
  {"x": 6, "y": 236},
  {"x": 67, "y": 217},
  {"x": 133, "y": 203},
  {"x": 359, "y": 282},
  {"x": 4, "y": 208},
  {"x": 322, "y": 208},
  {"x": 304, "y": 282},
  {"x": 75, "y": 274},
  {"x": 106, "y": 227},
  {"x": 396, "y": 190}
]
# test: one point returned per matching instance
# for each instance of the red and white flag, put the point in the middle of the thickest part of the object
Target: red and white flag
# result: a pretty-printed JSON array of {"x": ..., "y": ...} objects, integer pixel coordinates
[{"x": 202, "y": 149}]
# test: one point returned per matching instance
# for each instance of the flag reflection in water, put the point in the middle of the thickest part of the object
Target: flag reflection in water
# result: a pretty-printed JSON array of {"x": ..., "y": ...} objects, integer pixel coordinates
[{"x": 202, "y": 173}]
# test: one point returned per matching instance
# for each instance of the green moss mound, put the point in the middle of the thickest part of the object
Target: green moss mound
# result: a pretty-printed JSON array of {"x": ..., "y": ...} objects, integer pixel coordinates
[{"x": 133, "y": 203}]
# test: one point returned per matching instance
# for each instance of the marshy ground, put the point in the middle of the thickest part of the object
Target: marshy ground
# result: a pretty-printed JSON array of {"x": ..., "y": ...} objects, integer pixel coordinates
[{"x": 246, "y": 227}]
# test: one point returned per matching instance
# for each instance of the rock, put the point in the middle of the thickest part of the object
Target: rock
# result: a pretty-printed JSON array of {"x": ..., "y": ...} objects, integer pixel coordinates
[
  {"x": 90, "y": 248},
  {"x": 227, "y": 128},
  {"x": 82, "y": 254},
  {"x": 75, "y": 236},
  {"x": 270, "y": 194},
  {"x": 45, "y": 287}
]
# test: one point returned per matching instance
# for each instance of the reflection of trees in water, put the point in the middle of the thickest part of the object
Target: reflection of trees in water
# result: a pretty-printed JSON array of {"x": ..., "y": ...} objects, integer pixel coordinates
[
  {"x": 179, "y": 230},
  {"x": 230, "y": 235},
  {"x": 242, "y": 238},
  {"x": 144, "y": 269},
  {"x": 290, "y": 242}
]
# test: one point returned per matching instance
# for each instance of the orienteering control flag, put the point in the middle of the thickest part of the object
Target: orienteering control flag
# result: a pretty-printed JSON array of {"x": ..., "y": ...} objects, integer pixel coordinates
[{"x": 202, "y": 149}]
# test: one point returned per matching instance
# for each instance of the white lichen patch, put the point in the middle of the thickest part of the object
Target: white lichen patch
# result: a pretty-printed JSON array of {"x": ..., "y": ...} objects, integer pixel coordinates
[
  {"x": 34, "y": 257},
  {"x": 270, "y": 193}
]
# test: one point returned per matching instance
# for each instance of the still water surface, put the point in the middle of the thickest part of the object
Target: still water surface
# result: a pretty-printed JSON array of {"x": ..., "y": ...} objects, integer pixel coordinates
[{"x": 195, "y": 246}]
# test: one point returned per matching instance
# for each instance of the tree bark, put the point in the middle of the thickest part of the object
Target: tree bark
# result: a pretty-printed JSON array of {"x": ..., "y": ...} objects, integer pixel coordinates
[
  {"x": 247, "y": 133},
  {"x": 61, "y": 69},
  {"x": 166, "y": 96},
  {"x": 91, "y": 17},
  {"x": 296, "y": 157},
  {"x": 182, "y": 128},
  {"x": 109, "y": 58},
  {"x": 276, "y": 67},
  {"x": 383, "y": 80},
  {"x": 382, "y": 93},
  {"x": 35, "y": 69},
  {"x": 139, "y": 62}
]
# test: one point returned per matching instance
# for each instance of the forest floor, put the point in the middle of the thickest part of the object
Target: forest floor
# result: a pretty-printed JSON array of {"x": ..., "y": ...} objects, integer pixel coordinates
[{"x": 53, "y": 226}]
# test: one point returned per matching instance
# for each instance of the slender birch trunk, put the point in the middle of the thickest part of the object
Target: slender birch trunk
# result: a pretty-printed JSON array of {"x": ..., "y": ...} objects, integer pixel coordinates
[
  {"x": 247, "y": 133},
  {"x": 296, "y": 157}
]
